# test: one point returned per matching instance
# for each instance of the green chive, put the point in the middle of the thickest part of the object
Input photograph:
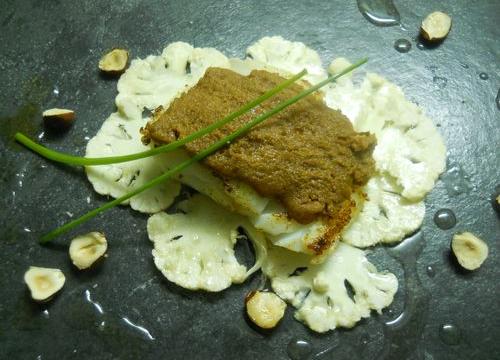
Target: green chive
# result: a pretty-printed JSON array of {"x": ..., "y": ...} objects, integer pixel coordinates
[
  {"x": 199, "y": 156},
  {"x": 76, "y": 160}
]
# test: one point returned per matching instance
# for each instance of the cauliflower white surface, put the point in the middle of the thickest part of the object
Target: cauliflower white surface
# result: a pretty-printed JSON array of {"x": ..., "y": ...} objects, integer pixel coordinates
[
  {"x": 283, "y": 231},
  {"x": 157, "y": 81},
  {"x": 319, "y": 292},
  {"x": 120, "y": 136},
  {"x": 406, "y": 167},
  {"x": 384, "y": 216},
  {"x": 288, "y": 57},
  {"x": 147, "y": 84},
  {"x": 194, "y": 249},
  {"x": 409, "y": 156},
  {"x": 409, "y": 147}
]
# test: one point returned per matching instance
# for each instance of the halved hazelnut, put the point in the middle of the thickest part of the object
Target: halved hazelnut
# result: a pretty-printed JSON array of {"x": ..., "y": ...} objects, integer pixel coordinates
[
  {"x": 58, "y": 119},
  {"x": 114, "y": 62},
  {"x": 86, "y": 249},
  {"x": 469, "y": 250},
  {"x": 43, "y": 282},
  {"x": 435, "y": 26},
  {"x": 265, "y": 309}
]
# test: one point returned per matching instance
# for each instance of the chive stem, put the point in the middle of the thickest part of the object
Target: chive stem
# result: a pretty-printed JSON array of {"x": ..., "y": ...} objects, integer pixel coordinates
[
  {"x": 77, "y": 160},
  {"x": 199, "y": 156}
]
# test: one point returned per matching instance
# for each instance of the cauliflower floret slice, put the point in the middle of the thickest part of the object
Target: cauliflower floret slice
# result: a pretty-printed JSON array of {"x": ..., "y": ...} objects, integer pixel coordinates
[
  {"x": 158, "y": 80},
  {"x": 320, "y": 292},
  {"x": 194, "y": 249},
  {"x": 148, "y": 83},
  {"x": 120, "y": 136},
  {"x": 384, "y": 216},
  {"x": 409, "y": 147},
  {"x": 288, "y": 57}
]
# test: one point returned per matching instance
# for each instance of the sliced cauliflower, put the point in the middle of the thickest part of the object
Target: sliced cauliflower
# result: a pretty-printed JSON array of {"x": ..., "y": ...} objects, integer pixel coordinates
[
  {"x": 265, "y": 214},
  {"x": 393, "y": 208},
  {"x": 194, "y": 249},
  {"x": 147, "y": 84},
  {"x": 157, "y": 80},
  {"x": 120, "y": 136},
  {"x": 288, "y": 57},
  {"x": 321, "y": 292},
  {"x": 384, "y": 216},
  {"x": 409, "y": 147}
]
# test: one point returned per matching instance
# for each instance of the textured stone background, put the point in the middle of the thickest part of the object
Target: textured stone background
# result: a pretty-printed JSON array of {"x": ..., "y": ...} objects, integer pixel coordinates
[{"x": 48, "y": 57}]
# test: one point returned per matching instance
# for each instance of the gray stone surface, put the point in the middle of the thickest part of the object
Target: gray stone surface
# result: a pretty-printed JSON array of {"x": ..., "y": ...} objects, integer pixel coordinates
[{"x": 55, "y": 45}]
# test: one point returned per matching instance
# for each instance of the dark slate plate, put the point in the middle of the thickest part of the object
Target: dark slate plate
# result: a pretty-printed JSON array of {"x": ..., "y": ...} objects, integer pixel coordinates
[{"x": 49, "y": 51}]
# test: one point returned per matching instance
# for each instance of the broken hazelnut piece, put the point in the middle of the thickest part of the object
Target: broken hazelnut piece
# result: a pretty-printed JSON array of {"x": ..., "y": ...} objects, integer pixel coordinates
[
  {"x": 265, "y": 309},
  {"x": 58, "y": 119},
  {"x": 435, "y": 26},
  {"x": 469, "y": 250},
  {"x": 43, "y": 282},
  {"x": 86, "y": 249},
  {"x": 114, "y": 62}
]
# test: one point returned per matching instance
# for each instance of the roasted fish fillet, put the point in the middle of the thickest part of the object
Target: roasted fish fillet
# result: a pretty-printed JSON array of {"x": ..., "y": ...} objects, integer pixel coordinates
[{"x": 294, "y": 175}]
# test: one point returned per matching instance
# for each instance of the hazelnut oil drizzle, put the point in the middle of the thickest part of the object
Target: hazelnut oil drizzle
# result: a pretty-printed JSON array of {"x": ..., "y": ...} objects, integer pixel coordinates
[{"x": 379, "y": 12}]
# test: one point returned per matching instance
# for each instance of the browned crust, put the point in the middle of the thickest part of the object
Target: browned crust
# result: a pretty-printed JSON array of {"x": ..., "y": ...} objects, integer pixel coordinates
[
  {"x": 145, "y": 131},
  {"x": 334, "y": 228}
]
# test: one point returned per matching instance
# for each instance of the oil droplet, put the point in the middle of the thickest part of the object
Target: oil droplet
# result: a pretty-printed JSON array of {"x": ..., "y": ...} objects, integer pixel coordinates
[
  {"x": 46, "y": 314},
  {"x": 96, "y": 305},
  {"x": 483, "y": 76},
  {"x": 456, "y": 181},
  {"x": 402, "y": 45},
  {"x": 420, "y": 46},
  {"x": 430, "y": 271},
  {"x": 140, "y": 329},
  {"x": 298, "y": 349},
  {"x": 55, "y": 91},
  {"x": 445, "y": 219},
  {"x": 379, "y": 12},
  {"x": 440, "y": 82},
  {"x": 449, "y": 334}
]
